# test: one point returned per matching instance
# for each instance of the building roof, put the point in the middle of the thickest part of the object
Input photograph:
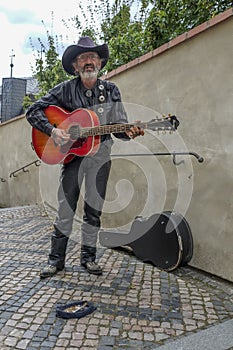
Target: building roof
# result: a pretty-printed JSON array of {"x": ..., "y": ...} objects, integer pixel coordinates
[{"x": 31, "y": 87}]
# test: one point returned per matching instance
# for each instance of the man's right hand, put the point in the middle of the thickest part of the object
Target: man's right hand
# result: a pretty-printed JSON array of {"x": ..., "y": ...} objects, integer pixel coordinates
[{"x": 60, "y": 136}]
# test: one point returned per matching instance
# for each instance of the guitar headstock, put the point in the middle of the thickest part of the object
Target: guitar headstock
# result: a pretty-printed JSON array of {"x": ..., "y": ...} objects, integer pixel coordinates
[{"x": 166, "y": 123}]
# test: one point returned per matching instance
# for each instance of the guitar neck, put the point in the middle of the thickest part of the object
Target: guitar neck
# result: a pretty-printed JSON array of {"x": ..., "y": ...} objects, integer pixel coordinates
[{"x": 109, "y": 129}]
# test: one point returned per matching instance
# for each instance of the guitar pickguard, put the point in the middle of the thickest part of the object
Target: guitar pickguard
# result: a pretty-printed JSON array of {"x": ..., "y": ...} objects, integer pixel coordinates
[{"x": 67, "y": 147}]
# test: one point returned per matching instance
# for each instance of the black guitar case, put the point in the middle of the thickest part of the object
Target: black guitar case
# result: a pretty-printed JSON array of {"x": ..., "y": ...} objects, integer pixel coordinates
[{"x": 164, "y": 239}]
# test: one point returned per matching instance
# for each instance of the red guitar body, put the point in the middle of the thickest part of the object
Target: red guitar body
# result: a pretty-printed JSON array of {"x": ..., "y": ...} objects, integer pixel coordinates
[
  {"x": 51, "y": 153},
  {"x": 85, "y": 133}
]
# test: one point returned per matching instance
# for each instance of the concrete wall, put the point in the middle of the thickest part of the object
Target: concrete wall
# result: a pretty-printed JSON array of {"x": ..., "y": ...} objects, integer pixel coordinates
[
  {"x": 193, "y": 80},
  {"x": 16, "y": 152}
]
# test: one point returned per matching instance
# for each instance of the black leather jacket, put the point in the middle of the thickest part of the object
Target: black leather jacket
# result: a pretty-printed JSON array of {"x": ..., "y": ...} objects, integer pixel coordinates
[{"x": 104, "y": 99}]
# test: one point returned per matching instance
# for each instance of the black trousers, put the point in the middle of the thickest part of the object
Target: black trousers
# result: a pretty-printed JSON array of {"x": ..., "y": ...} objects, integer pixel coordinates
[{"x": 94, "y": 172}]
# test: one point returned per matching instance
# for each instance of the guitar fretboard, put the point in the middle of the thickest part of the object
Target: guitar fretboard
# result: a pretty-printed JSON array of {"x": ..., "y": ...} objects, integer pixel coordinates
[{"x": 109, "y": 129}]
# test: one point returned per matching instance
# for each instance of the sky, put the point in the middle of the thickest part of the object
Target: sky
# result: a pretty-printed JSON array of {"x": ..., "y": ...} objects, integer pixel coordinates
[{"x": 22, "y": 19}]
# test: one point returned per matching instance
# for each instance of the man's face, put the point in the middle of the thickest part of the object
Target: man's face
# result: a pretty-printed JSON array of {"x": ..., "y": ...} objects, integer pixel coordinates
[{"x": 87, "y": 65}]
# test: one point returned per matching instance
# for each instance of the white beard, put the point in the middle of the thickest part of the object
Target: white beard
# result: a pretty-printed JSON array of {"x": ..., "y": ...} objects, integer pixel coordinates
[{"x": 89, "y": 75}]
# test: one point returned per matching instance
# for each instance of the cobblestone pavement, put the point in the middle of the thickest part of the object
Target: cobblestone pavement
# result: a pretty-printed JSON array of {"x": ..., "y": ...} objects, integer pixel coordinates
[{"x": 138, "y": 305}]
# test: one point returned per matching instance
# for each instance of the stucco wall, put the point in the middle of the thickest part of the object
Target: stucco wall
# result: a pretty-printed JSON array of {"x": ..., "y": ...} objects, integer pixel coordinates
[
  {"x": 193, "y": 80},
  {"x": 15, "y": 153}
]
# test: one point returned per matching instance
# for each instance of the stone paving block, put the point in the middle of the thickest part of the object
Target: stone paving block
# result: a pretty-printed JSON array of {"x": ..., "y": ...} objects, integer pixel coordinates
[{"x": 138, "y": 306}]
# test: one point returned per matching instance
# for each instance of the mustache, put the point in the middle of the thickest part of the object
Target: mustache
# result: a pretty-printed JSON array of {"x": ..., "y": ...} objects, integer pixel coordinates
[{"x": 89, "y": 65}]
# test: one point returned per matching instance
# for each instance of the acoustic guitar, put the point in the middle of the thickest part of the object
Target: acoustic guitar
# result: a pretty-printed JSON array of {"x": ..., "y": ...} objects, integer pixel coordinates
[{"x": 85, "y": 133}]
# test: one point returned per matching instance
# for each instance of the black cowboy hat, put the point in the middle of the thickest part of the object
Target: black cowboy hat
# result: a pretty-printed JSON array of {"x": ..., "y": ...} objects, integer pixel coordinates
[{"x": 85, "y": 44}]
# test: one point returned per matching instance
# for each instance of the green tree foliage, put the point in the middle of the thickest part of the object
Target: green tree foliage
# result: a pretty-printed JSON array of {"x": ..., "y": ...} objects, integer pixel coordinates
[
  {"x": 48, "y": 70},
  {"x": 131, "y": 28},
  {"x": 170, "y": 18},
  {"x": 123, "y": 34},
  {"x": 118, "y": 23}
]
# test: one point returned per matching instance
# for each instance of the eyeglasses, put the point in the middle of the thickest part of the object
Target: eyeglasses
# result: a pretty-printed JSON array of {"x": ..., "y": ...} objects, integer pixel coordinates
[{"x": 84, "y": 57}]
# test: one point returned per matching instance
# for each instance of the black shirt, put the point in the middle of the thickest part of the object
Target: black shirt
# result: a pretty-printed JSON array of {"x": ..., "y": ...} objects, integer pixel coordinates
[{"x": 104, "y": 99}]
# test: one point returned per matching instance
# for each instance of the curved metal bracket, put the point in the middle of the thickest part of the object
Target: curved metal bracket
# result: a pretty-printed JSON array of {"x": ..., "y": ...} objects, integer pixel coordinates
[{"x": 175, "y": 162}]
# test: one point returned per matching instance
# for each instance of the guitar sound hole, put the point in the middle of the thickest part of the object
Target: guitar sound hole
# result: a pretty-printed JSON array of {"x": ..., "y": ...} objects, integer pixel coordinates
[{"x": 74, "y": 132}]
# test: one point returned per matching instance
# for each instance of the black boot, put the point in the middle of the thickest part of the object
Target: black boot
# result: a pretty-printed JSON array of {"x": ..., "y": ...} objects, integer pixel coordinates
[
  {"x": 56, "y": 261},
  {"x": 88, "y": 255},
  {"x": 48, "y": 271}
]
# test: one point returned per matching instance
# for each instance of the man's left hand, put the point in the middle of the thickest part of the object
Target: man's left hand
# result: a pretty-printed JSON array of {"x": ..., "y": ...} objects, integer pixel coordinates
[{"x": 135, "y": 131}]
